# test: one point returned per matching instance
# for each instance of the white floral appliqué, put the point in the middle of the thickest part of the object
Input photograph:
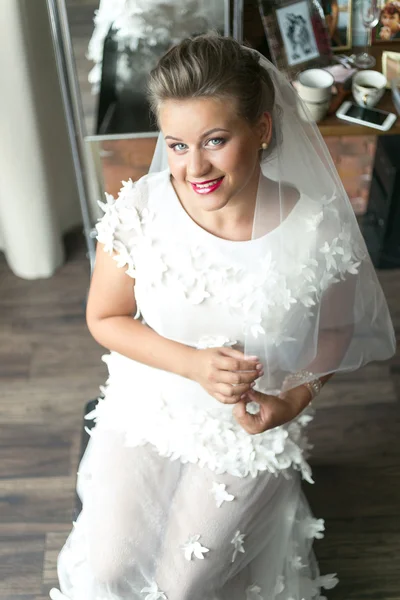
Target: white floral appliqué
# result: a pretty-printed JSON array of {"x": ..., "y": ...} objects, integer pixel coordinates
[
  {"x": 220, "y": 493},
  {"x": 237, "y": 542},
  {"x": 214, "y": 341},
  {"x": 55, "y": 594},
  {"x": 328, "y": 582},
  {"x": 330, "y": 250},
  {"x": 313, "y": 222},
  {"x": 296, "y": 563},
  {"x": 153, "y": 593},
  {"x": 253, "y": 408},
  {"x": 193, "y": 546},
  {"x": 253, "y": 592},
  {"x": 313, "y": 528}
]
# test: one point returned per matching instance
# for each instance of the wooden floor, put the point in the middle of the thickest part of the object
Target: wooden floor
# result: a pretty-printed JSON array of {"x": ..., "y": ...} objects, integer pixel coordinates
[{"x": 50, "y": 367}]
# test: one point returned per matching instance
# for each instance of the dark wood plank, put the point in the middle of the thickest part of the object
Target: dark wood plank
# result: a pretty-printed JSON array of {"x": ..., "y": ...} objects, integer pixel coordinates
[
  {"x": 343, "y": 491},
  {"x": 34, "y": 450},
  {"x": 363, "y": 551},
  {"x": 58, "y": 399},
  {"x": 15, "y": 358},
  {"x": 21, "y": 563},
  {"x": 42, "y": 499},
  {"x": 66, "y": 355},
  {"x": 23, "y": 597},
  {"x": 54, "y": 543},
  {"x": 34, "y": 528},
  {"x": 349, "y": 389},
  {"x": 365, "y": 435}
]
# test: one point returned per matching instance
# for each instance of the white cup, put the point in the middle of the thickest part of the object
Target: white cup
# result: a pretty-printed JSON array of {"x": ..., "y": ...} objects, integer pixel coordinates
[
  {"x": 368, "y": 87},
  {"x": 314, "y": 87}
]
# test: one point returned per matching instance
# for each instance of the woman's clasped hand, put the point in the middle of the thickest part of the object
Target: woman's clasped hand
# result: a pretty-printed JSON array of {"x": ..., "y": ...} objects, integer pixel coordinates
[
  {"x": 225, "y": 373},
  {"x": 230, "y": 376},
  {"x": 273, "y": 411}
]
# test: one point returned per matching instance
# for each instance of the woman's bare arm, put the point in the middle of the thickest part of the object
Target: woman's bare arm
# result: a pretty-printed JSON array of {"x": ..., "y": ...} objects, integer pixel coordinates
[{"x": 109, "y": 316}]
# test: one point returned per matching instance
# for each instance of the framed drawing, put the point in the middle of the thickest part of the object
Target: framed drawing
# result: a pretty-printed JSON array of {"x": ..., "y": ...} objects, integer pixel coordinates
[
  {"x": 297, "y": 35},
  {"x": 338, "y": 17}
]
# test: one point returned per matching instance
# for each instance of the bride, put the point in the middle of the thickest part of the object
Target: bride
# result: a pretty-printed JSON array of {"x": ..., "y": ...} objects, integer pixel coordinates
[{"x": 230, "y": 284}]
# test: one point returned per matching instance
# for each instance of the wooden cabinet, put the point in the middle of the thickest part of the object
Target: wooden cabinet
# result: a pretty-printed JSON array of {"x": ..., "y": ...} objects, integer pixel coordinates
[{"x": 381, "y": 223}]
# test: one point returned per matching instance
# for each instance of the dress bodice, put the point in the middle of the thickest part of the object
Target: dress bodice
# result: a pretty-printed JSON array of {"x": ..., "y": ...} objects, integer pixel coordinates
[
  {"x": 204, "y": 291},
  {"x": 190, "y": 284}
]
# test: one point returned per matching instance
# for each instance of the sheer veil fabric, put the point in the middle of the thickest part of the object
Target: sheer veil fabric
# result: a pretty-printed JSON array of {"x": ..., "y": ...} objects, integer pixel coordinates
[{"x": 320, "y": 305}]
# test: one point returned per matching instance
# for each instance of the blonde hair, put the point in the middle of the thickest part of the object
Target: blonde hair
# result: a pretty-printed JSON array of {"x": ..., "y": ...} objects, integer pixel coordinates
[{"x": 211, "y": 65}]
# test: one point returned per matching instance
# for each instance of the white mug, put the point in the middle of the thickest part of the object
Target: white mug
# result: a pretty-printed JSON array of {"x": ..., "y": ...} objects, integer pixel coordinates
[
  {"x": 368, "y": 87},
  {"x": 314, "y": 87}
]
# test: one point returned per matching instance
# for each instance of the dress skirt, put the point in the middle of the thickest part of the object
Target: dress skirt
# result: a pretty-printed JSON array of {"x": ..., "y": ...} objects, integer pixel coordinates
[
  {"x": 156, "y": 528},
  {"x": 180, "y": 502}
]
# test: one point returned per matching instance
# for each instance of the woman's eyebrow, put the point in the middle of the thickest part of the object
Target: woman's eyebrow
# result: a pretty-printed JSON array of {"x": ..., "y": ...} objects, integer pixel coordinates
[{"x": 170, "y": 137}]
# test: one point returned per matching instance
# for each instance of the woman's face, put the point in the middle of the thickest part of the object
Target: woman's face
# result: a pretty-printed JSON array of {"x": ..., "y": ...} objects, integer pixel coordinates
[
  {"x": 392, "y": 21},
  {"x": 213, "y": 153}
]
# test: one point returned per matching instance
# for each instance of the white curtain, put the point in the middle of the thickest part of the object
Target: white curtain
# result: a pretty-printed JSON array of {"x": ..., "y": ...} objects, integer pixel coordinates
[{"x": 38, "y": 196}]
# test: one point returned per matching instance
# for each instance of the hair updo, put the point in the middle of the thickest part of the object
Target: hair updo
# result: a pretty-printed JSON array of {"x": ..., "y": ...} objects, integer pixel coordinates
[{"x": 211, "y": 65}]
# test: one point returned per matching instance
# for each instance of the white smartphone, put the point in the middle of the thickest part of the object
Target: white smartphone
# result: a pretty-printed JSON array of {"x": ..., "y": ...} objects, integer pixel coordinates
[{"x": 370, "y": 117}]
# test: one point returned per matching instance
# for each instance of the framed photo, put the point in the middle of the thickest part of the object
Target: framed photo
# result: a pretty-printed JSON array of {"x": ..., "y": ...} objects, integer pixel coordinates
[
  {"x": 391, "y": 66},
  {"x": 338, "y": 18},
  {"x": 388, "y": 28},
  {"x": 297, "y": 35}
]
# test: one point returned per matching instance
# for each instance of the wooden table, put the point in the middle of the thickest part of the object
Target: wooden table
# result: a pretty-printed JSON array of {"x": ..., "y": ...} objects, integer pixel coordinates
[{"x": 332, "y": 126}]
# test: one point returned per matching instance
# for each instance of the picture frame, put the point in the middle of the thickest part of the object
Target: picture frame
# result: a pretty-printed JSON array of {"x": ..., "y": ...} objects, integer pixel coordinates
[
  {"x": 391, "y": 66},
  {"x": 296, "y": 33},
  {"x": 339, "y": 21},
  {"x": 388, "y": 27}
]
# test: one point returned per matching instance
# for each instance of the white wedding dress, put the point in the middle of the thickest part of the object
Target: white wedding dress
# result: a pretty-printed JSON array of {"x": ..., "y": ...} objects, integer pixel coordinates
[{"x": 179, "y": 502}]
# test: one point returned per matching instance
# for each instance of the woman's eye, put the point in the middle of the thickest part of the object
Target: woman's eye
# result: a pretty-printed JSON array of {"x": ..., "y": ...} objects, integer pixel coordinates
[
  {"x": 180, "y": 147},
  {"x": 216, "y": 141}
]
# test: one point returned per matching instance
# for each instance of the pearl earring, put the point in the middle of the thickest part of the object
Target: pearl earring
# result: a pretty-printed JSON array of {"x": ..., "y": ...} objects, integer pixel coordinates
[{"x": 264, "y": 146}]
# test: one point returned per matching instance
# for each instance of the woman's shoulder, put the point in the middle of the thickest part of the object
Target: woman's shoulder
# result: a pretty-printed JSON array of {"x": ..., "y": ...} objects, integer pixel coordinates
[
  {"x": 125, "y": 214},
  {"x": 138, "y": 194}
]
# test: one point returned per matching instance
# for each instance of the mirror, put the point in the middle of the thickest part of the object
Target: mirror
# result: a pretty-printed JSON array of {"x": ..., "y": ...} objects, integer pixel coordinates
[
  {"x": 338, "y": 17},
  {"x": 113, "y": 48}
]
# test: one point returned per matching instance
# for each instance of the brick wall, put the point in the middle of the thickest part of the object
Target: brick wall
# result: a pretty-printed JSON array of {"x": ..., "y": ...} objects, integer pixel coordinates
[{"x": 353, "y": 157}]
